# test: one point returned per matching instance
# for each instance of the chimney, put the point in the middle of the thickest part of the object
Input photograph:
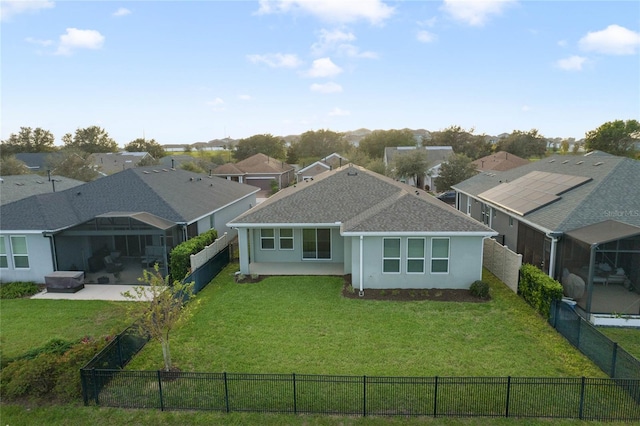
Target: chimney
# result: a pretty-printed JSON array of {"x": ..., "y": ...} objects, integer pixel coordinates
[
  {"x": 173, "y": 163},
  {"x": 53, "y": 184}
]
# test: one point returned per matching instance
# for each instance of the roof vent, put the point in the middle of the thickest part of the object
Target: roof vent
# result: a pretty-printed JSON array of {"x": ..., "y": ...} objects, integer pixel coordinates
[
  {"x": 552, "y": 160},
  {"x": 145, "y": 172},
  {"x": 598, "y": 163},
  {"x": 352, "y": 173},
  {"x": 156, "y": 171},
  {"x": 565, "y": 161},
  {"x": 580, "y": 162}
]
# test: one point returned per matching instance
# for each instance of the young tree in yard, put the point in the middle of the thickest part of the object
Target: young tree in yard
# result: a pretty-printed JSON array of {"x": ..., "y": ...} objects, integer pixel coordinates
[
  {"x": 411, "y": 164},
  {"x": 160, "y": 307},
  {"x": 455, "y": 170},
  {"x": 615, "y": 137}
]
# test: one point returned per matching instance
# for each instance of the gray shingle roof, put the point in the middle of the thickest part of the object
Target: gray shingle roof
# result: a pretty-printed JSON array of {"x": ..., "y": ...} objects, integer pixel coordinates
[
  {"x": 613, "y": 192},
  {"x": 17, "y": 187},
  {"x": 174, "y": 195},
  {"x": 363, "y": 201}
]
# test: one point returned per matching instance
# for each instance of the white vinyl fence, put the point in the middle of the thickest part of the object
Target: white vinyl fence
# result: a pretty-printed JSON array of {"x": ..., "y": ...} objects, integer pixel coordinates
[
  {"x": 502, "y": 262},
  {"x": 203, "y": 256}
]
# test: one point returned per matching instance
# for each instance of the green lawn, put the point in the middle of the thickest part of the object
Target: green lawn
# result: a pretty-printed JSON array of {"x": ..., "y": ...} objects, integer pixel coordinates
[
  {"x": 303, "y": 325},
  {"x": 627, "y": 338},
  {"x": 79, "y": 416},
  {"x": 29, "y": 323}
]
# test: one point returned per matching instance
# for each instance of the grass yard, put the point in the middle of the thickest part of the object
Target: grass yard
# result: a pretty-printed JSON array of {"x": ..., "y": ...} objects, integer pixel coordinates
[
  {"x": 304, "y": 325},
  {"x": 27, "y": 324},
  {"x": 627, "y": 338},
  {"x": 79, "y": 416}
]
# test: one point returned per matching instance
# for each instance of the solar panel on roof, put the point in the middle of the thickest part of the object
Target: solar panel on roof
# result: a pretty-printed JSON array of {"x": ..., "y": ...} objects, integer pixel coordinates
[{"x": 532, "y": 191}]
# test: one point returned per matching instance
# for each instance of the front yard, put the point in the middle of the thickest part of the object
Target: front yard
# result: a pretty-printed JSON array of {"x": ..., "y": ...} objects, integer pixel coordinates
[{"x": 304, "y": 325}]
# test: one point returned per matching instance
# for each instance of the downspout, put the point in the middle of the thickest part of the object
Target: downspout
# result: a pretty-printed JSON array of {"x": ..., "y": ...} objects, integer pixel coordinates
[
  {"x": 361, "y": 266},
  {"x": 552, "y": 253}
]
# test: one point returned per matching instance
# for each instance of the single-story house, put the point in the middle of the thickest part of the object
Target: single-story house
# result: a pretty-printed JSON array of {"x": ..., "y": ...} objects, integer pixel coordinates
[
  {"x": 329, "y": 162},
  {"x": 258, "y": 170},
  {"x": 132, "y": 214},
  {"x": 569, "y": 215},
  {"x": 436, "y": 155},
  {"x": 349, "y": 220},
  {"x": 499, "y": 161},
  {"x": 17, "y": 187},
  {"x": 107, "y": 163}
]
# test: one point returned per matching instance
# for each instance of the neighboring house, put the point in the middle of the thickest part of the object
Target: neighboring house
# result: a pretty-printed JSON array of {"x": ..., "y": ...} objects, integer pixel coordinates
[
  {"x": 112, "y": 162},
  {"x": 329, "y": 162},
  {"x": 569, "y": 215},
  {"x": 176, "y": 147},
  {"x": 258, "y": 170},
  {"x": 127, "y": 212},
  {"x": 500, "y": 161},
  {"x": 436, "y": 155},
  {"x": 384, "y": 233},
  {"x": 35, "y": 161},
  {"x": 17, "y": 187}
]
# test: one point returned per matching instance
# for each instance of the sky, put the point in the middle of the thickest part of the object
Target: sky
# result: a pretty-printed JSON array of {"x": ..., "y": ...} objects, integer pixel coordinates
[{"x": 191, "y": 71}]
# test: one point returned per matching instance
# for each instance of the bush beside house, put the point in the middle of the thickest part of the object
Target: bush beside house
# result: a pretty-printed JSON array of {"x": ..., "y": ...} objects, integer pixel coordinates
[
  {"x": 538, "y": 289},
  {"x": 179, "y": 258}
]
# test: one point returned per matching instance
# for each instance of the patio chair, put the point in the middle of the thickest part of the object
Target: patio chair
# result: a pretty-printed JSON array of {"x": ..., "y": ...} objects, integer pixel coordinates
[{"x": 111, "y": 266}]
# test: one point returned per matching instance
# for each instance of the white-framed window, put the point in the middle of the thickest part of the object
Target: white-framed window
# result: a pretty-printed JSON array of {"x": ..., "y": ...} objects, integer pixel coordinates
[
  {"x": 20, "y": 252},
  {"x": 286, "y": 239},
  {"x": 391, "y": 255},
  {"x": 4, "y": 262},
  {"x": 440, "y": 255},
  {"x": 415, "y": 255},
  {"x": 267, "y": 239},
  {"x": 316, "y": 243}
]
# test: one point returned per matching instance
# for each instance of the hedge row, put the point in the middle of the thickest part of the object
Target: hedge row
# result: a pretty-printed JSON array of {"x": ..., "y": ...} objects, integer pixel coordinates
[
  {"x": 538, "y": 289},
  {"x": 180, "y": 260}
]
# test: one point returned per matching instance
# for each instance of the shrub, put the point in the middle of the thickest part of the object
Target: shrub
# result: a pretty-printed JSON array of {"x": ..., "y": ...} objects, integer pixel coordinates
[
  {"x": 538, "y": 289},
  {"x": 18, "y": 289},
  {"x": 479, "y": 289},
  {"x": 179, "y": 258},
  {"x": 50, "y": 374}
]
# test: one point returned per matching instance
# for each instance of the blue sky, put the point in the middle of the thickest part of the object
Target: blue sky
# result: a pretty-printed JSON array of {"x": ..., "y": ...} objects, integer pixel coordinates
[{"x": 188, "y": 71}]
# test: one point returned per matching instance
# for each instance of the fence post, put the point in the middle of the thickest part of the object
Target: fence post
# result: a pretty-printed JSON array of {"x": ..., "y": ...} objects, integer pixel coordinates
[
  {"x": 364, "y": 396},
  {"x": 226, "y": 391},
  {"x": 295, "y": 401},
  {"x": 614, "y": 359},
  {"x": 506, "y": 411},
  {"x": 118, "y": 343},
  {"x": 95, "y": 385},
  {"x": 581, "y": 398},
  {"x": 435, "y": 397},
  {"x": 85, "y": 392},
  {"x": 160, "y": 390}
]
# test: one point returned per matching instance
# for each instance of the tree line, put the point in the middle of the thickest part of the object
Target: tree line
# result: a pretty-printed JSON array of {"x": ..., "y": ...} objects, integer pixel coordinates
[{"x": 617, "y": 137}]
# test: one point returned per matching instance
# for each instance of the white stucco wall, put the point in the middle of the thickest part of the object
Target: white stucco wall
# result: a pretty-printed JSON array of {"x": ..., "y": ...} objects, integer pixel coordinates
[
  {"x": 465, "y": 265},
  {"x": 40, "y": 261},
  {"x": 225, "y": 215}
]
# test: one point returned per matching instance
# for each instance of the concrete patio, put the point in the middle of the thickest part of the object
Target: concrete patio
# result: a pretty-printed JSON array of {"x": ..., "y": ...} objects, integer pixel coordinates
[{"x": 90, "y": 292}]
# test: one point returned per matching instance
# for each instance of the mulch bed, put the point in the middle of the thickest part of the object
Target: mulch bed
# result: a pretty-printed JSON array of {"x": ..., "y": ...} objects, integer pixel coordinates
[{"x": 402, "y": 295}]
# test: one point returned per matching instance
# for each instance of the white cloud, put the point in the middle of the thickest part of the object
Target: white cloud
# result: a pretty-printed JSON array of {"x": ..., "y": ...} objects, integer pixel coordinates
[
  {"x": 562, "y": 43},
  {"x": 323, "y": 67},
  {"x": 572, "y": 63},
  {"x": 245, "y": 97},
  {"x": 337, "y": 112},
  {"x": 475, "y": 13},
  {"x": 328, "y": 40},
  {"x": 374, "y": 11},
  {"x": 352, "y": 51},
  {"x": 79, "y": 39},
  {"x": 424, "y": 36},
  {"x": 217, "y": 104},
  {"x": 39, "y": 42},
  {"x": 276, "y": 60},
  {"x": 526, "y": 108},
  {"x": 330, "y": 87},
  {"x": 10, "y": 8},
  {"x": 614, "y": 40},
  {"x": 123, "y": 11}
]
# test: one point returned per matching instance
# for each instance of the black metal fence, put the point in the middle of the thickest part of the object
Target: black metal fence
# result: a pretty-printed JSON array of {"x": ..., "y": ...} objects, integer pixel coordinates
[
  {"x": 578, "y": 398},
  {"x": 604, "y": 352}
]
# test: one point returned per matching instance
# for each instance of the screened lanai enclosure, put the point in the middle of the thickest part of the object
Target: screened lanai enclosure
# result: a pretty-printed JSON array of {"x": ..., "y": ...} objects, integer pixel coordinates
[
  {"x": 116, "y": 247},
  {"x": 600, "y": 267}
]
